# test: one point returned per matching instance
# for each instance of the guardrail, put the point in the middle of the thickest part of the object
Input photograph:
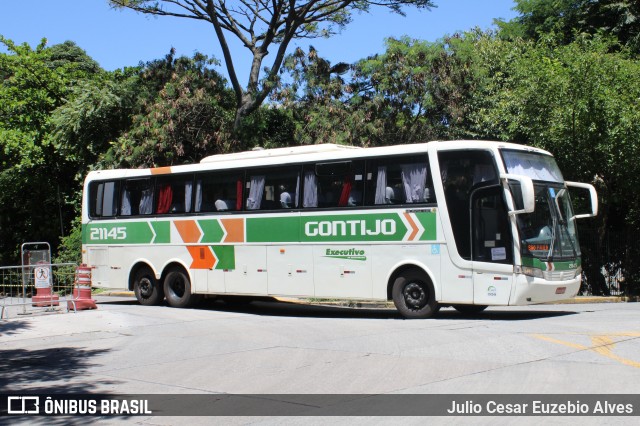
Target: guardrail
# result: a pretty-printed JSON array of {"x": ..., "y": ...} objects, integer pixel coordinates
[{"x": 18, "y": 288}]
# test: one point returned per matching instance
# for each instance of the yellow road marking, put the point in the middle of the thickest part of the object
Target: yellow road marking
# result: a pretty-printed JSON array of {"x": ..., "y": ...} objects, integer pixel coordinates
[{"x": 601, "y": 344}]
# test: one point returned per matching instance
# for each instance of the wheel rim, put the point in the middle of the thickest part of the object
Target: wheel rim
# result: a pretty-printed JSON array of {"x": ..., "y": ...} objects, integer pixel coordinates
[
  {"x": 177, "y": 286},
  {"x": 415, "y": 296},
  {"x": 146, "y": 287}
]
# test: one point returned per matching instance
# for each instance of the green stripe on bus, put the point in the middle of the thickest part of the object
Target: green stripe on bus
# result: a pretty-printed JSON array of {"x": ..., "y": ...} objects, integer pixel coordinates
[
  {"x": 226, "y": 256},
  {"x": 273, "y": 229},
  {"x": 428, "y": 222},
  {"x": 119, "y": 233},
  {"x": 212, "y": 230},
  {"x": 163, "y": 232}
]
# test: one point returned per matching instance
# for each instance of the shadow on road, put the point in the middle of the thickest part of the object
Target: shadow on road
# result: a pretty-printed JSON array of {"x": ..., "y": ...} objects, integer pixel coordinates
[
  {"x": 280, "y": 308},
  {"x": 62, "y": 367},
  {"x": 9, "y": 328},
  {"x": 267, "y": 306}
]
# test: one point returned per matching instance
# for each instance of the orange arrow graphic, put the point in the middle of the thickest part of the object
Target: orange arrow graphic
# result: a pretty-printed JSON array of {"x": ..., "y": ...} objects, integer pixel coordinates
[
  {"x": 413, "y": 226},
  {"x": 188, "y": 230},
  {"x": 203, "y": 257},
  {"x": 235, "y": 230}
]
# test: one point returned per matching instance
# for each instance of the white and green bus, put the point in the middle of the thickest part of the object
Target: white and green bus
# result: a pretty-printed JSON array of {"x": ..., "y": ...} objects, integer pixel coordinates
[{"x": 467, "y": 224}]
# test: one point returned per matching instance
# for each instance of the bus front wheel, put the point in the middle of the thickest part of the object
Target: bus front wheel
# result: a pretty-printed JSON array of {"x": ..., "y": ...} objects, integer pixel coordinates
[
  {"x": 146, "y": 288},
  {"x": 177, "y": 289},
  {"x": 414, "y": 296}
]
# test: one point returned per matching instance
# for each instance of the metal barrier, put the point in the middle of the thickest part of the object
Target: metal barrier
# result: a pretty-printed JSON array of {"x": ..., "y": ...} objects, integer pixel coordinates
[{"x": 18, "y": 288}]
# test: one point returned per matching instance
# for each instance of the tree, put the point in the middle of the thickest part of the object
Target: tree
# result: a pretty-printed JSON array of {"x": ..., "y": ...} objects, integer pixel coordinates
[
  {"x": 36, "y": 178},
  {"x": 262, "y": 25},
  {"x": 322, "y": 102},
  {"x": 566, "y": 19},
  {"x": 579, "y": 101},
  {"x": 183, "y": 112}
]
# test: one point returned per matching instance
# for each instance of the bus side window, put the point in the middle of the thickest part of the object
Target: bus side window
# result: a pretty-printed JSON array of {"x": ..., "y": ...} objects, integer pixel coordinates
[
  {"x": 137, "y": 197},
  {"x": 404, "y": 180},
  {"x": 174, "y": 194},
  {"x": 103, "y": 199},
  {"x": 218, "y": 192},
  {"x": 338, "y": 184},
  {"x": 273, "y": 189}
]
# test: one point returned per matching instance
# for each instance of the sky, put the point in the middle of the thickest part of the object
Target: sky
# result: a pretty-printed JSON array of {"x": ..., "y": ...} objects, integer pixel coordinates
[{"x": 120, "y": 38}]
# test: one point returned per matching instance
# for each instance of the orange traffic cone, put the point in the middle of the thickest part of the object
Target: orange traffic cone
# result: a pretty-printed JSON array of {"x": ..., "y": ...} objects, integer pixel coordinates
[{"x": 82, "y": 290}]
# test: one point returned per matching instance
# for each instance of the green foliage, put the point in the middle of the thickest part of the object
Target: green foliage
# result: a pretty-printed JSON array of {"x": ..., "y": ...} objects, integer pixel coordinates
[
  {"x": 265, "y": 27},
  {"x": 322, "y": 103},
  {"x": 566, "y": 20},
  {"x": 579, "y": 101},
  {"x": 35, "y": 178},
  {"x": 183, "y": 113},
  {"x": 70, "y": 248}
]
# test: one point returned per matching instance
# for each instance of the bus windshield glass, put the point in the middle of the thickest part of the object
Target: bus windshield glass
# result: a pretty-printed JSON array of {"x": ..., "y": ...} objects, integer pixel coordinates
[
  {"x": 549, "y": 233},
  {"x": 531, "y": 164}
]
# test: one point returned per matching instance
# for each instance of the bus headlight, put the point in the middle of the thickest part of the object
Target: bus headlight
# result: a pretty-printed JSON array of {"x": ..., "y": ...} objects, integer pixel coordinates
[{"x": 532, "y": 272}]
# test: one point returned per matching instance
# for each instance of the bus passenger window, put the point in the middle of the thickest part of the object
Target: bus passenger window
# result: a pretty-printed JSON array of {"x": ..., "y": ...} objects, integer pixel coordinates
[
  {"x": 273, "y": 189},
  {"x": 399, "y": 181},
  {"x": 218, "y": 192},
  {"x": 137, "y": 197},
  {"x": 338, "y": 184},
  {"x": 103, "y": 199},
  {"x": 174, "y": 194}
]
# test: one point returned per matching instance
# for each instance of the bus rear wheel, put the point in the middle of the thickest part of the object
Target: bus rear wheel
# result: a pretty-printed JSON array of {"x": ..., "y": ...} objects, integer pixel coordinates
[
  {"x": 146, "y": 288},
  {"x": 177, "y": 289},
  {"x": 414, "y": 296}
]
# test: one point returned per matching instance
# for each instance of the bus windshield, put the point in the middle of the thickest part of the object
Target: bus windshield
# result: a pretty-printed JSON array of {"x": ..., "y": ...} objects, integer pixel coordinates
[{"x": 549, "y": 233}]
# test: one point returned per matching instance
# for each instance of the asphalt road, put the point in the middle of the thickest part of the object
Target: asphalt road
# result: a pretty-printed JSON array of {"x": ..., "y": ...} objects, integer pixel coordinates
[{"x": 285, "y": 348}]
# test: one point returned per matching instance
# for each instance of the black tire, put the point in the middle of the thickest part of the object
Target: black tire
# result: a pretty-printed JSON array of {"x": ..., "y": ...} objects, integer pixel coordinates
[
  {"x": 146, "y": 288},
  {"x": 470, "y": 309},
  {"x": 414, "y": 296},
  {"x": 177, "y": 289}
]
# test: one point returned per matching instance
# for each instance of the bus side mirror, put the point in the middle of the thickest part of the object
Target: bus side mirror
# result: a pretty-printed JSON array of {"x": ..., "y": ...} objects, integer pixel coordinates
[
  {"x": 592, "y": 194},
  {"x": 527, "y": 194}
]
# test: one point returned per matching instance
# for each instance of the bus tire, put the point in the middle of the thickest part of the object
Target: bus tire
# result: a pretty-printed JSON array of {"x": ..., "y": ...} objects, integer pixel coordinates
[
  {"x": 146, "y": 288},
  {"x": 470, "y": 309},
  {"x": 414, "y": 296},
  {"x": 177, "y": 290}
]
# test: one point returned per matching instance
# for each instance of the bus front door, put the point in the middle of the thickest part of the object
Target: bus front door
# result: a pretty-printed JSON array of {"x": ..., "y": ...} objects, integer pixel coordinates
[{"x": 491, "y": 246}]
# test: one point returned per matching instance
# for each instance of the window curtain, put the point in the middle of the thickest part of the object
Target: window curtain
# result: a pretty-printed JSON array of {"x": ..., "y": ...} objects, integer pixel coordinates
[
  {"x": 414, "y": 178},
  {"x": 254, "y": 200},
  {"x": 198, "y": 203},
  {"x": 346, "y": 190},
  {"x": 297, "y": 201},
  {"x": 381, "y": 186},
  {"x": 188, "y": 192},
  {"x": 125, "y": 210},
  {"x": 310, "y": 190},
  {"x": 146, "y": 202},
  {"x": 165, "y": 196},
  {"x": 239, "y": 194}
]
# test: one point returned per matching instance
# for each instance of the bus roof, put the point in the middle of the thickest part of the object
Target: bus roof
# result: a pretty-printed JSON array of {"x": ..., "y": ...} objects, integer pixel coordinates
[
  {"x": 306, "y": 154},
  {"x": 257, "y": 153}
]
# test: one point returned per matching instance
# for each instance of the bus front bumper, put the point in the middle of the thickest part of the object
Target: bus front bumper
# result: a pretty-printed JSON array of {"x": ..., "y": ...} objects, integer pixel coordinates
[{"x": 529, "y": 290}]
